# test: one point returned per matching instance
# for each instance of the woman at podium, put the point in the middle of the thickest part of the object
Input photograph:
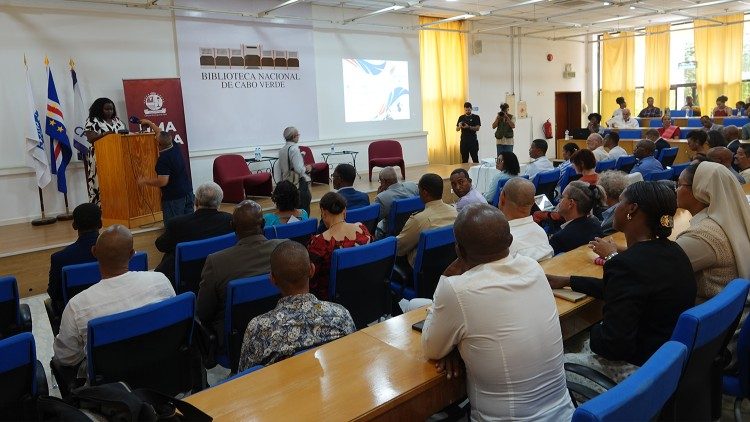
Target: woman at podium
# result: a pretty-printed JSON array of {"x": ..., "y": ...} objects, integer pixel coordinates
[{"x": 102, "y": 121}]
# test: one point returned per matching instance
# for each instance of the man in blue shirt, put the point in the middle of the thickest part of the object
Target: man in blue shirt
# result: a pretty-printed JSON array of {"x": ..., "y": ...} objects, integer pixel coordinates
[
  {"x": 343, "y": 180},
  {"x": 647, "y": 164}
]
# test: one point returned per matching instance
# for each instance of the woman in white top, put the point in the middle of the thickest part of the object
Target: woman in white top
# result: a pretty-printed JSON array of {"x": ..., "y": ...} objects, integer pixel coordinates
[{"x": 102, "y": 121}]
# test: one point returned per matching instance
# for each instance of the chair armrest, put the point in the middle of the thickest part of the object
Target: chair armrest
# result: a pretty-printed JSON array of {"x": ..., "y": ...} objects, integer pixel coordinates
[
  {"x": 580, "y": 391},
  {"x": 66, "y": 376},
  {"x": 54, "y": 318},
  {"x": 42, "y": 388},
  {"x": 590, "y": 374},
  {"x": 401, "y": 275},
  {"x": 207, "y": 342},
  {"x": 25, "y": 313}
]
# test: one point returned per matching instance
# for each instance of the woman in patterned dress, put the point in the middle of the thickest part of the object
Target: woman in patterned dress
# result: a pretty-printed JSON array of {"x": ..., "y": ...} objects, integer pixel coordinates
[{"x": 102, "y": 121}]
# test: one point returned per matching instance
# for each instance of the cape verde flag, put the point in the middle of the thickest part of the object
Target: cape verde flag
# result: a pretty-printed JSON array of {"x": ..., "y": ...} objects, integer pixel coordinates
[{"x": 58, "y": 135}]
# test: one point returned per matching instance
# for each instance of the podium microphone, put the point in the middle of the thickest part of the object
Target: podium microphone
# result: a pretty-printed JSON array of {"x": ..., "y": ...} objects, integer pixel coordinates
[{"x": 136, "y": 121}]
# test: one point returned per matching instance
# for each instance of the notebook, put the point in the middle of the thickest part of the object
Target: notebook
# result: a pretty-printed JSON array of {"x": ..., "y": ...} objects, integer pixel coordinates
[{"x": 568, "y": 295}]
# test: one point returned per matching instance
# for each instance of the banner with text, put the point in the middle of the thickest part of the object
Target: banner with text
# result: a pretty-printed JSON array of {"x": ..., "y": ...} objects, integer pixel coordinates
[
  {"x": 158, "y": 100},
  {"x": 244, "y": 82}
]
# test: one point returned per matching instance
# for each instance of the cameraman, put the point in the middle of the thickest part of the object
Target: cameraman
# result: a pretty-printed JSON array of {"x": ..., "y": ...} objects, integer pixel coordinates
[
  {"x": 468, "y": 124},
  {"x": 504, "y": 124}
]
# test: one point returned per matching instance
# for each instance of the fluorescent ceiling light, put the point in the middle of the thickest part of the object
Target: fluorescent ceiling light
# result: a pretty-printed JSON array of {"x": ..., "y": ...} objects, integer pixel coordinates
[
  {"x": 377, "y": 12},
  {"x": 286, "y": 3},
  {"x": 456, "y": 18}
]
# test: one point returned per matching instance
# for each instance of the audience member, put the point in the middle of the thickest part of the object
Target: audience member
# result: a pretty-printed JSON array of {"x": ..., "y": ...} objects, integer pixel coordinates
[
  {"x": 119, "y": 290},
  {"x": 291, "y": 167},
  {"x": 595, "y": 123},
  {"x": 207, "y": 221},
  {"x": 642, "y": 302},
  {"x": 742, "y": 159},
  {"x": 584, "y": 163},
  {"x": 612, "y": 147},
  {"x": 248, "y": 258},
  {"x": 436, "y": 214},
  {"x": 529, "y": 239},
  {"x": 732, "y": 137},
  {"x": 644, "y": 153},
  {"x": 659, "y": 142},
  {"x": 286, "y": 198},
  {"x": 739, "y": 108},
  {"x": 707, "y": 124},
  {"x": 614, "y": 183},
  {"x": 650, "y": 110},
  {"x": 507, "y": 164},
  {"x": 624, "y": 121},
  {"x": 87, "y": 220},
  {"x": 299, "y": 321},
  {"x": 691, "y": 108},
  {"x": 716, "y": 138},
  {"x": 497, "y": 314},
  {"x": 339, "y": 234},
  {"x": 724, "y": 156},
  {"x": 721, "y": 108},
  {"x": 668, "y": 130},
  {"x": 577, "y": 202},
  {"x": 595, "y": 144},
  {"x": 389, "y": 190},
  {"x": 539, "y": 161},
  {"x": 697, "y": 143},
  {"x": 343, "y": 180},
  {"x": 461, "y": 185},
  {"x": 746, "y": 130},
  {"x": 568, "y": 150},
  {"x": 621, "y": 105}
]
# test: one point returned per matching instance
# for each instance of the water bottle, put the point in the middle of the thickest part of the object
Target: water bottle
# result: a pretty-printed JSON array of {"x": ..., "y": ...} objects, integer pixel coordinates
[
  {"x": 257, "y": 153},
  {"x": 567, "y": 135},
  {"x": 333, "y": 148}
]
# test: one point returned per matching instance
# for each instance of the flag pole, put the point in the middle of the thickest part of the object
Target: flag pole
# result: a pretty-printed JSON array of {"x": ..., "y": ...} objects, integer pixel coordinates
[
  {"x": 43, "y": 220},
  {"x": 67, "y": 215}
]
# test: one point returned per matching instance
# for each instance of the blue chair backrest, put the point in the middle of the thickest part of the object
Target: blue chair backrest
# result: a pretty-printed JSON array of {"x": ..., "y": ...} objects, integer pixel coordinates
[
  {"x": 678, "y": 113},
  {"x": 735, "y": 121},
  {"x": 684, "y": 132},
  {"x": 677, "y": 170},
  {"x": 366, "y": 215},
  {"x": 667, "y": 156},
  {"x": 10, "y": 317},
  {"x": 359, "y": 279},
  {"x": 605, "y": 165},
  {"x": 500, "y": 184},
  {"x": 189, "y": 258},
  {"x": 435, "y": 251},
  {"x": 299, "y": 231},
  {"x": 79, "y": 277},
  {"x": 147, "y": 347},
  {"x": 704, "y": 330},
  {"x": 659, "y": 175},
  {"x": 566, "y": 177},
  {"x": 694, "y": 122},
  {"x": 631, "y": 133},
  {"x": 246, "y": 299},
  {"x": 743, "y": 358},
  {"x": 17, "y": 374},
  {"x": 640, "y": 396},
  {"x": 546, "y": 181},
  {"x": 655, "y": 122},
  {"x": 401, "y": 210},
  {"x": 625, "y": 163}
]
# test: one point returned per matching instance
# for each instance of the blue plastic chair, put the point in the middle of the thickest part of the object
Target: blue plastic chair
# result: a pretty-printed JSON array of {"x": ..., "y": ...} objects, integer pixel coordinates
[
  {"x": 565, "y": 179},
  {"x": 684, "y": 132},
  {"x": 359, "y": 279},
  {"x": 246, "y": 299},
  {"x": 14, "y": 317},
  {"x": 299, "y": 231},
  {"x": 655, "y": 122},
  {"x": 738, "y": 385},
  {"x": 500, "y": 185},
  {"x": 79, "y": 277},
  {"x": 22, "y": 377},
  {"x": 189, "y": 258},
  {"x": 147, "y": 347},
  {"x": 401, "y": 210},
  {"x": 667, "y": 156},
  {"x": 631, "y": 133},
  {"x": 367, "y": 215},
  {"x": 659, "y": 175},
  {"x": 625, "y": 163},
  {"x": 694, "y": 122},
  {"x": 677, "y": 113},
  {"x": 604, "y": 165},
  {"x": 735, "y": 121},
  {"x": 677, "y": 170},
  {"x": 641, "y": 396},
  {"x": 545, "y": 182},
  {"x": 435, "y": 251}
]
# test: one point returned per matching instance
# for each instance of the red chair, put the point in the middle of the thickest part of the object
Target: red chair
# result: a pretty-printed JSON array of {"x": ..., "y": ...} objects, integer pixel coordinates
[
  {"x": 236, "y": 180},
  {"x": 319, "y": 173},
  {"x": 386, "y": 153}
]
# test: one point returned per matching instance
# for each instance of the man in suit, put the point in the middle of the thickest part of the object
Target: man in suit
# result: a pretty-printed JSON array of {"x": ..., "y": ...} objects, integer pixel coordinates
[
  {"x": 87, "y": 220},
  {"x": 343, "y": 180},
  {"x": 249, "y": 257},
  {"x": 207, "y": 221}
]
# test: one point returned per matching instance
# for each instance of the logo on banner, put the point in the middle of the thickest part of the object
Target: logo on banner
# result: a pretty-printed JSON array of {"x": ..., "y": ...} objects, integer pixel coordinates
[{"x": 154, "y": 105}]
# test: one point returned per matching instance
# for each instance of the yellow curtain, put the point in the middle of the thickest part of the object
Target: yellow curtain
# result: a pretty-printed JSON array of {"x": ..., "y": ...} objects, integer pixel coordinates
[
  {"x": 718, "y": 51},
  {"x": 444, "y": 68},
  {"x": 656, "y": 83},
  {"x": 618, "y": 80}
]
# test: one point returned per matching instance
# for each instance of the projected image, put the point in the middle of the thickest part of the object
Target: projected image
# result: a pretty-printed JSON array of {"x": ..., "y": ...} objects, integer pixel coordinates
[{"x": 375, "y": 90}]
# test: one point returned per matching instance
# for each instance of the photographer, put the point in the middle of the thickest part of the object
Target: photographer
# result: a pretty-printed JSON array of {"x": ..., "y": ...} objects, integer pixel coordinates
[
  {"x": 504, "y": 124},
  {"x": 469, "y": 124}
]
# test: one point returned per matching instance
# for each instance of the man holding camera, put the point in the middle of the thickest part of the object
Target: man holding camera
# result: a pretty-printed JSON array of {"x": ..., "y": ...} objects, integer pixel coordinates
[
  {"x": 469, "y": 124},
  {"x": 504, "y": 124}
]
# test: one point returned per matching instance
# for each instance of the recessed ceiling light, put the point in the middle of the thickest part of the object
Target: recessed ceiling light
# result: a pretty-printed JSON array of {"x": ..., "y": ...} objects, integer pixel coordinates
[
  {"x": 632, "y": 7},
  {"x": 606, "y": 3}
]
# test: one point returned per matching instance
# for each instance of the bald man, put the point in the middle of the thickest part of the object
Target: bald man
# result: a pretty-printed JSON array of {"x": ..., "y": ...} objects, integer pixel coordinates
[
  {"x": 732, "y": 136},
  {"x": 391, "y": 189},
  {"x": 646, "y": 164},
  {"x": 249, "y": 257},
  {"x": 299, "y": 321},
  {"x": 595, "y": 143},
  {"x": 529, "y": 238},
  {"x": 724, "y": 156},
  {"x": 499, "y": 313},
  {"x": 119, "y": 290},
  {"x": 624, "y": 121}
]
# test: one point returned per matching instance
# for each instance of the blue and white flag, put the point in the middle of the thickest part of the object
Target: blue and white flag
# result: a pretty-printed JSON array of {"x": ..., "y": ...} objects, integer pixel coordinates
[
  {"x": 33, "y": 134},
  {"x": 80, "y": 142},
  {"x": 58, "y": 135}
]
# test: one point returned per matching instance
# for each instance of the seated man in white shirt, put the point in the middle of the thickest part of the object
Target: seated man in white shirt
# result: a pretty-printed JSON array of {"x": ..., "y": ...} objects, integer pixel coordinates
[
  {"x": 497, "y": 313},
  {"x": 595, "y": 144},
  {"x": 119, "y": 290},
  {"x": 624, "y": 121},
  {"x": 539, "y": 161},
  {"x": 529, "y": 238},
  {"x": 612, "y": 143}
]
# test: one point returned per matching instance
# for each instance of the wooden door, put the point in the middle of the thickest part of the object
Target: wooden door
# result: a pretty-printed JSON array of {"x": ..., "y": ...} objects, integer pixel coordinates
[{"x": 567, "y": 113}]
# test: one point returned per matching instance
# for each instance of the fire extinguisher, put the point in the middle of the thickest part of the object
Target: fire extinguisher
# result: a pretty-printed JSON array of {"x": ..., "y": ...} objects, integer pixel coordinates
[{"x": 547, "y": 127}]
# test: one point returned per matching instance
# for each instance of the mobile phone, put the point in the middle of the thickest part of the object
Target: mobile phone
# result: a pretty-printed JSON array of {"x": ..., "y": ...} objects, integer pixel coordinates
[
  {"x": 134, "y": 120},
  {"x": 417, "y": 326}
]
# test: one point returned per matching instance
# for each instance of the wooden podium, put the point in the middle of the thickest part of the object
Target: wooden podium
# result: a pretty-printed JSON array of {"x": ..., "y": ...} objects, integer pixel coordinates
[{"x": 120, "y": 161}]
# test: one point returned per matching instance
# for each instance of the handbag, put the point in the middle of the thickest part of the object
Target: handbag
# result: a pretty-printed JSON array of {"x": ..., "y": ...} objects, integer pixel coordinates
[{"x": 291, "y": 175}]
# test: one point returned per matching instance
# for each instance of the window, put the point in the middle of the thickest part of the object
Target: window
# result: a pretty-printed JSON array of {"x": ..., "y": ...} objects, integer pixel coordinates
[{"x": 745, "y": 62}]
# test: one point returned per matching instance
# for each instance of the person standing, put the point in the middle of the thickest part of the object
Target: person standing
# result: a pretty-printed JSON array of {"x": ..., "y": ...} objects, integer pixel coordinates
[
  {"x": 291, "y": 166},
  {"x": 102, "y": 121},
  {"x": 504, "y": 124},
  {"x": 469, "y": 124}
]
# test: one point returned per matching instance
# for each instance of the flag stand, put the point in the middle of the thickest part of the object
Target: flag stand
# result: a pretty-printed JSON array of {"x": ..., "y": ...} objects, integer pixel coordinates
[
  {"x": 43, "y": 220},
  {"x": 67, "y": 215}
]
